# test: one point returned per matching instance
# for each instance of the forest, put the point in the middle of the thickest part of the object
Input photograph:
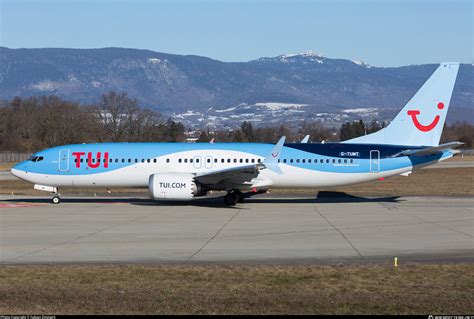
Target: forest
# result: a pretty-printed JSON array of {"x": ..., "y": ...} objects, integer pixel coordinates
[{"x": 35, "y": 123}]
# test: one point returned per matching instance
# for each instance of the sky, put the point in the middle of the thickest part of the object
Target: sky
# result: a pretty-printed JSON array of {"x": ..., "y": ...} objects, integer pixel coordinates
[{"x": 381, "y": 33}]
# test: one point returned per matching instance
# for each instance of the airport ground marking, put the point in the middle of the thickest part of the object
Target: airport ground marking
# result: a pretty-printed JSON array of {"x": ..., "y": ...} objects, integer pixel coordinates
[
  {"x": 212, "y": 238},
  {"x": 341, "y": 233},
  {"x": 76, "y": 238}
]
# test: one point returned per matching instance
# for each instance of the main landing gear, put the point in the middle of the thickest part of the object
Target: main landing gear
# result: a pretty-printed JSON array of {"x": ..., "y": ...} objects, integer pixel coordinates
[{"x": 233, "y": 197}]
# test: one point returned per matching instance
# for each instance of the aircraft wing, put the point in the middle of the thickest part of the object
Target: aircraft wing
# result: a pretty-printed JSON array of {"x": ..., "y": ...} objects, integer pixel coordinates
[
  {"x": 241, "y": 175},
  {"x": 238, "y": 175},
  {"x": 431, "y": 150}
]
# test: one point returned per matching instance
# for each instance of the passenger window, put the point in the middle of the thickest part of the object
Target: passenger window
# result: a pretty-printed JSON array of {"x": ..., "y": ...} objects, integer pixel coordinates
[
  {"x": 136, "y": 160},
  {"x": 352, "y": 161},
  {"x": 129, "y": 160},
  {"x": 208, "y": 160},
  {"x": 185, "y": 160},
  {"x": 345, "y": 160},
  {"x": 116, "y": 160},
  {"x": 291, "y": 160},
  {"x": 235, "y": 160},
  {"x": 327, "y": 161},
  {"x": 284, "y": 160},
  {"x": 228, "y": 160},
  {"x": 123, "y": 160},
  {"x": 75, "y": 160},
  {"x": 222, "y": 161},
  {"x": 309, "y": 161},
  {"x": 215, "y": 160},
  {"x": 82, "y": 160},
  {"x": 167, "y": 160},
  {"x": 246, "y": 160},
  {"x": 143, "y": 160},
  {"x": 339, "y": 160},
  {"x": 253, "y": 160},
  {"x": 190, "y": 160},
  {"x": 304, "y": 161},
  {"x": 197, "y": 160},
  {"x": 259, "y": 160},
  {"x": 321, "y": 161},
  {"x": 333, "y": 160},
  {"x": 110, "y": 160},
  {"x": 297, "y": 160},
  {"x": 179, "y": 160},
  {"x": 241, "y": 160}
]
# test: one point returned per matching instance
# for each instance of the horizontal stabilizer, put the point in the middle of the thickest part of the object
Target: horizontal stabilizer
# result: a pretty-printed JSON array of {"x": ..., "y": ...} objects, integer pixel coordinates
[{"x": 430, "y": 150}]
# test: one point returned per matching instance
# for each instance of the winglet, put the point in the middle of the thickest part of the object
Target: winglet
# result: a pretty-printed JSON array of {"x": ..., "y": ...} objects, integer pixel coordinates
[
  {"x": 271, "y": 161},
  {"x": 305, "y": 139}
]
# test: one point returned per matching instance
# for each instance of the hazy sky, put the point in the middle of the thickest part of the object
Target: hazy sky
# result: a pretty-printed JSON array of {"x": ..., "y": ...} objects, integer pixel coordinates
[{"x": 382, "y": 33}]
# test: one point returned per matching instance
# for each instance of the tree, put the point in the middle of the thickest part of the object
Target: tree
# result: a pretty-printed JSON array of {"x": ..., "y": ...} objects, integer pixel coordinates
[
  {"x": 203, "y": 137},
  {"x": 247, "y": 132}
]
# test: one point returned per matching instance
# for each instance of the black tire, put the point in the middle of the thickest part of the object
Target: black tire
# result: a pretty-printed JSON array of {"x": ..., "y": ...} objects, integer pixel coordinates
[
  {"x": 56, "y": 200},
  {"x": 240, "y": 196},
  {"x": 230, "y": 199}
]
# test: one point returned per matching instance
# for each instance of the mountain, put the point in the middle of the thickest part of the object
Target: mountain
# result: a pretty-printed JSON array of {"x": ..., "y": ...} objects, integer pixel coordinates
[{"x": 177, "y": 84}]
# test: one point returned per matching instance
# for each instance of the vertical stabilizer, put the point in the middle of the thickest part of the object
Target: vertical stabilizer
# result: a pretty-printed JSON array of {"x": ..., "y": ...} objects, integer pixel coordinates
[{"x": 421, "y": 121}]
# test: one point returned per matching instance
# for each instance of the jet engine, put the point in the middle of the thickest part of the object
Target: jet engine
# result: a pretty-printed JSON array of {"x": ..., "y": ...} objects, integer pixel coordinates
[{"x": 174, "y": 186}]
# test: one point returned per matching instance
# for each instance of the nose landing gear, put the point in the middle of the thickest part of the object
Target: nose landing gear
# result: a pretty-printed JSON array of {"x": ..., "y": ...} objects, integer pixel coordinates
[{"x": 56, "y": 199}]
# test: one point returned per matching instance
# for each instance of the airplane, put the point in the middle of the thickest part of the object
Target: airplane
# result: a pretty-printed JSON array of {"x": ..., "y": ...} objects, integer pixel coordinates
[{"x": 184, "y": 171}]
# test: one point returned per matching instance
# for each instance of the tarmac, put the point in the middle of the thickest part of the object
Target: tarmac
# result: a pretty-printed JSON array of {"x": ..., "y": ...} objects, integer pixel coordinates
[{"x": 331, "y": 228}]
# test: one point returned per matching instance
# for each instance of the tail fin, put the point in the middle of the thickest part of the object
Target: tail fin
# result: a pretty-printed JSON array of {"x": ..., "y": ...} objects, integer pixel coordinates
[{"x": 421, "y": 121}]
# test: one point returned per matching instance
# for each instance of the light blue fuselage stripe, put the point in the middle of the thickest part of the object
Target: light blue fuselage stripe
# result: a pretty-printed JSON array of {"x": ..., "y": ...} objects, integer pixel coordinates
[{"x": 49, "y": 165}]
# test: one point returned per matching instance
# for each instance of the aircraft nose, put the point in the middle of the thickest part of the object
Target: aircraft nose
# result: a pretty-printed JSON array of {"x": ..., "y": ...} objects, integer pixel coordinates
[{"x": 18, "y": 170}]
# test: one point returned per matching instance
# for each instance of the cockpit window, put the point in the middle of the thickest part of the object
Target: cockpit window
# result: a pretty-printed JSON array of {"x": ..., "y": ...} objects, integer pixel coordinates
[{"x": 36, "y": 158}]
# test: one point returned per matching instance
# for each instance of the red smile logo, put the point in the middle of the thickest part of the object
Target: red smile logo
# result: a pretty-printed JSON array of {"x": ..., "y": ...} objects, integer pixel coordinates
[{"x": 421, "y": 127}]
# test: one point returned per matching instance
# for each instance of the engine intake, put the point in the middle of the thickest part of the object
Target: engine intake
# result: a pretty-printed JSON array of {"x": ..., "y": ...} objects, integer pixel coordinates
[{"x": 173, "y": 186}]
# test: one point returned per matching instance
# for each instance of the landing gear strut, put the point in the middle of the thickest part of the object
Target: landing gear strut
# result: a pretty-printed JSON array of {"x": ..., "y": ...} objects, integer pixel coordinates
[
  {"x": 233, "y": 197},
  {"x": 56, "y": 198}
]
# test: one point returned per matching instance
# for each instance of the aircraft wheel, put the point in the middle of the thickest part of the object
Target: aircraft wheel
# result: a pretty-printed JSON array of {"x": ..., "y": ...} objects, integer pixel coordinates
[
  {"x": 230, "y": 199},
  {"x": 240, "y": 196},
  {"x": 56, "y": 200}
]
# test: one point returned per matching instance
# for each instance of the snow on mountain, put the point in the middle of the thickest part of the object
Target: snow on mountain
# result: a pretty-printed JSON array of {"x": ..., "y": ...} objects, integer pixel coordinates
[
  {"x": 360, "y": 110},
  {"x": 175, "y": 84},
  {"x": 361, "y": 63},
  {"x": 303, "y": 57},
  {"x": 279, "y": 106}
]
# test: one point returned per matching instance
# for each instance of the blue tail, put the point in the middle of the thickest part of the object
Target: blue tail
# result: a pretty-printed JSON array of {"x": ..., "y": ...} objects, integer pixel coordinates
[{"x": 421, "y": 121}]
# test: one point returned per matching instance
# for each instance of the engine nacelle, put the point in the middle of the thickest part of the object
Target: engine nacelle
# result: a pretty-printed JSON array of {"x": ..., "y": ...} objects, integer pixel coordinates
[{"x": 173, "y": 186}]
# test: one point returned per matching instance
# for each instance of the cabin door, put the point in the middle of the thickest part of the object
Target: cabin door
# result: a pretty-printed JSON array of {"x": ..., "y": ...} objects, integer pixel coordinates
[
  {"x": 63, "y": 160},
  {"x": 374, "y": 161}
]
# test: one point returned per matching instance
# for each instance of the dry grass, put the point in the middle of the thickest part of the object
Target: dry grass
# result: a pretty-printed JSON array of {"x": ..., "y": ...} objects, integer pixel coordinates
[{"x": 135, "y": 289}]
